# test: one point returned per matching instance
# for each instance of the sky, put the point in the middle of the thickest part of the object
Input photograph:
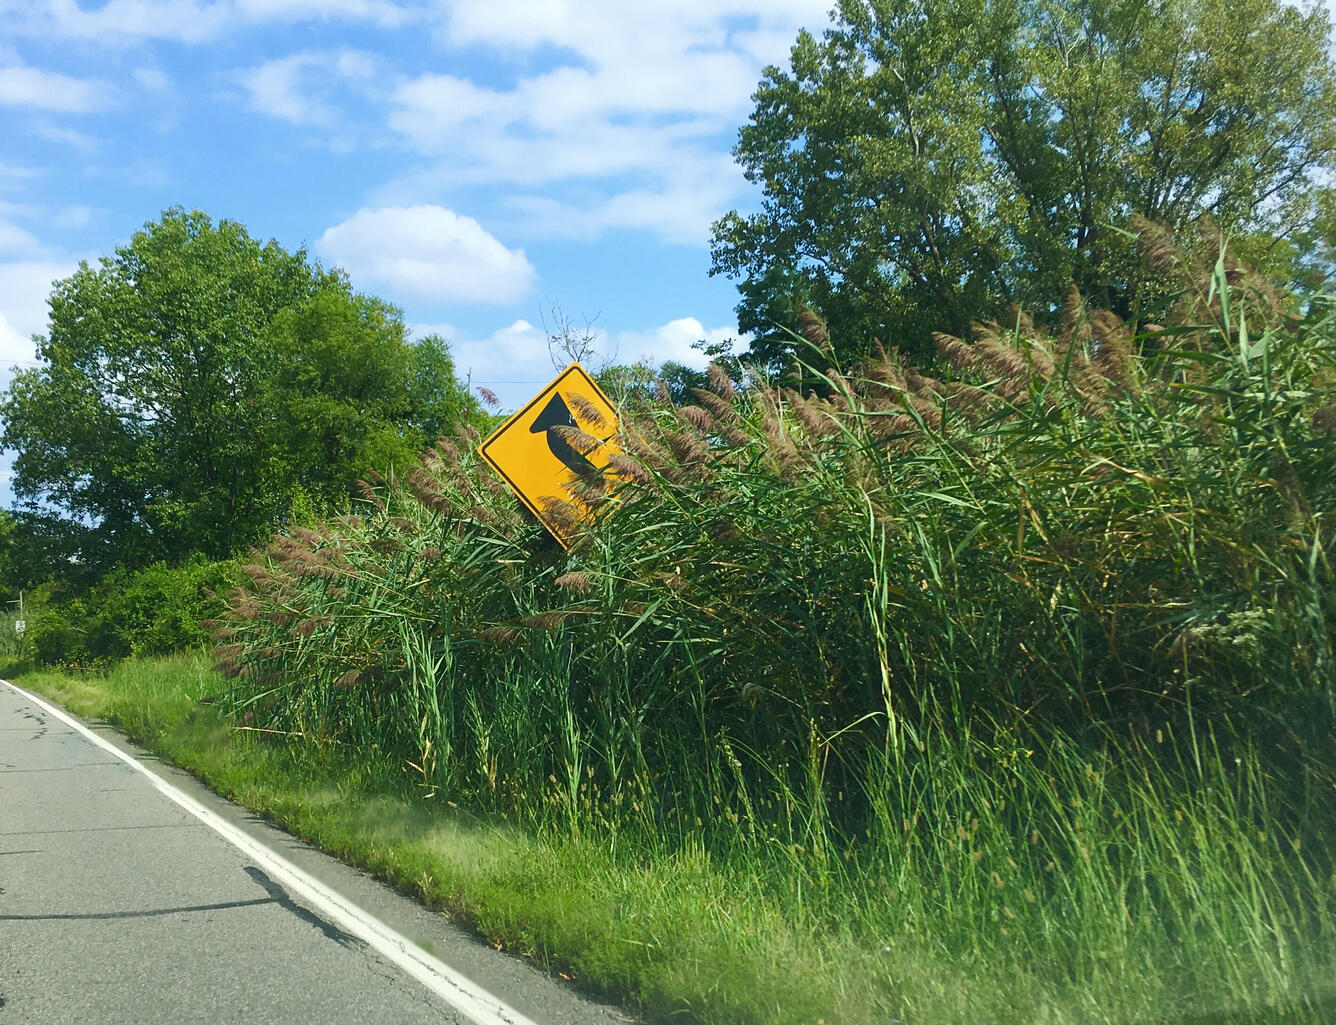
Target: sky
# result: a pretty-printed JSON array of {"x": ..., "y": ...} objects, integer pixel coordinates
[
  {"x": 489, "y": 166},
  {"x": 479, "y": 163}
]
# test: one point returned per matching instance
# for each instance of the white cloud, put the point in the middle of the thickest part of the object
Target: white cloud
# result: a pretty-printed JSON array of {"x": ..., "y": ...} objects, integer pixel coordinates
[
  {"x": 301, "y": 87},
  {"x": 24, "y": 288},
  {"x": 644, "y": 103},
  {"x": 14, "y": 347},
  {"x": 517, "y": 352},
  {"x": 595, "y": 27},
  {"x": 23, "y": 86},
  {"x": 274, "y": 90},
  {"x": 678, "y": 207},
  {"x": 673, "y": 341},
  {"x": 380, "y": 13},
  {"x": 514, "y": 361},
  {"x": 428, "y": 252},
  {"x": 65, "y": 136}
]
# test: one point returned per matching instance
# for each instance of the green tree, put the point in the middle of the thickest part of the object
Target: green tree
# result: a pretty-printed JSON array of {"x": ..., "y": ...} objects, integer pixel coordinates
[
  {"x": 195, "y": 385},
  {"x": 931, "y": 162},
  {"x": 436, "y": 401}
]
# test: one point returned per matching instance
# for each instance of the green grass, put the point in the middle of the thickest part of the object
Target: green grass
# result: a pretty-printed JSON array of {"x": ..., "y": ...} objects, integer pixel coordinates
[{"x": 1208, "y": 921}]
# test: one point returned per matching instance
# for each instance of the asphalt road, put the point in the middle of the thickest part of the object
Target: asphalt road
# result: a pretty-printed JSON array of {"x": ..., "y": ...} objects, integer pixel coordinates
[{"x": 132, "y": 894}]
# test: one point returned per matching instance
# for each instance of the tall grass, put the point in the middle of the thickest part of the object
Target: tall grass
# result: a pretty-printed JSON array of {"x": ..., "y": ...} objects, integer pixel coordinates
[{"x": 1022, "y": 671}]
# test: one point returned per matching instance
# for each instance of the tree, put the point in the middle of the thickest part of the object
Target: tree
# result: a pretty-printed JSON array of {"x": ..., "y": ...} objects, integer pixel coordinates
[
  {"x": 437, "y": 403},
  {"x": 196, "y": 384},
  {"x": 931, "y": 162}
]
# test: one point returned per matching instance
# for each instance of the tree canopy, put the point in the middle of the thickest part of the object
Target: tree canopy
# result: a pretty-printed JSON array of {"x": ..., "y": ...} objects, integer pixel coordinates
[
  {"x": 930, "y": 162},
  {"x": 198, "y": 384}
]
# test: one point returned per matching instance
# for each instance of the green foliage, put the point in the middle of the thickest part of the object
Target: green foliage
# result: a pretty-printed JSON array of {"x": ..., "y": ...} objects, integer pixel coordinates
[
  {"x": 152, "y": 611},
  {"x": 927, "y": 164},
  {"x": 197, "y": 383},
  {"x": 159, "y": 609},
  {"x": 1009, "y": 665}
]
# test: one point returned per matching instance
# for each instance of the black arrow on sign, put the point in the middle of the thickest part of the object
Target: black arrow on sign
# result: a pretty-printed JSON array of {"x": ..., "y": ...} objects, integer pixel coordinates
[{"x": 557, "y": 414}]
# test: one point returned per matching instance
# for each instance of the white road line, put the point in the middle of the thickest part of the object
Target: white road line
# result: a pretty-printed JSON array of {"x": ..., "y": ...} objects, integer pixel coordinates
[{"x": 464, "y": 995}]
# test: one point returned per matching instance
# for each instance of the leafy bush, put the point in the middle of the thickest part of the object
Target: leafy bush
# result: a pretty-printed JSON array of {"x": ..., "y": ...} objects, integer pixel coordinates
[
  {"x": 158, "y": 610},
  {"x": 153, "y": 611}
]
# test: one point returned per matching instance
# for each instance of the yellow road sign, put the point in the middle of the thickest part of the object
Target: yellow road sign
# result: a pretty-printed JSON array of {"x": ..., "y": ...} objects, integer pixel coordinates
[{"x": 535, "y": 453}]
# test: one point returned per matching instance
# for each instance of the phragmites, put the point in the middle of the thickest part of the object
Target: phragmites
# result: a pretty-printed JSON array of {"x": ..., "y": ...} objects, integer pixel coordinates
[
  {"x": 588, "y": 412},
  {"x": 816, "y": 415},
  {"x": 687, "y": 446},
  {"x": 243, "y": 606},
  {"x": 307, "y": 535},
  {"x": 576, "y": 581},
  {"x": 1155, "y": 243},
  {"x": 1113, "y": 354},
  {"x": 814, "y": 329},
  {"x": 547, "y": 620},
  {"x": 583, "y": 443},
  {"x": 719, "y": 381},
  {"x": 565, "y": 516},
  {"x": 958, "y": 352},
  {"x": 1073, "y": 324},
  {"x": 720, "y": 408},
  {"x": 628, "y": 469},
  {"x": 697, "y": 417},
  {"x": 369, "y": 493}
]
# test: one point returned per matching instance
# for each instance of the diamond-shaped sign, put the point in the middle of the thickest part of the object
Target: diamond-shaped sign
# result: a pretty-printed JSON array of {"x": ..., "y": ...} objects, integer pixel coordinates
[{"x": 533, "y": 450}]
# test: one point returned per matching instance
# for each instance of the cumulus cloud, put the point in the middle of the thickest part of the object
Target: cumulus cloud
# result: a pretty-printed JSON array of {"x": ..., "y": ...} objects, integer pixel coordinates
[
  {"x": 641, "y": 107},
  {"x": 514, "y": 354},
  {"x": 24, "y": 287},
  {"x": 152, "y": 80},
  {"x": 15, "y": 239},
  {"x": 598, "y": 27},
  {"x": 428, "y": 252},
  {"x": 74, "y": 216},
  {"x": 673, "y": 341}
]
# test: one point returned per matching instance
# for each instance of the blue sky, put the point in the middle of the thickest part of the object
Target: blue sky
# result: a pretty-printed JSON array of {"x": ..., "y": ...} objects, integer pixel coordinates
[{"x": 473, "y": 161}]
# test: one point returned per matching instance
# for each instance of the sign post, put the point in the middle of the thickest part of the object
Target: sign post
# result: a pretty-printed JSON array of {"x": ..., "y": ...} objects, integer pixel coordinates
[{"x": 536, "y": 458}]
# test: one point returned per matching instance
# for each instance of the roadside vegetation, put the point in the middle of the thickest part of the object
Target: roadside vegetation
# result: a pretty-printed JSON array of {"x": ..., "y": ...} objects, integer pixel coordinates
[
  {"x": 984, "y": 675},
  {"x": 1020, "y": 676}
]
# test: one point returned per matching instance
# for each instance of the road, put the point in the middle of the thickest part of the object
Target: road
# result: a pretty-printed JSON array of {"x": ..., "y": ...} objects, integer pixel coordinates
[{"x": 130, "y": 893}]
